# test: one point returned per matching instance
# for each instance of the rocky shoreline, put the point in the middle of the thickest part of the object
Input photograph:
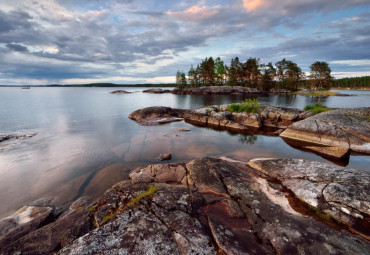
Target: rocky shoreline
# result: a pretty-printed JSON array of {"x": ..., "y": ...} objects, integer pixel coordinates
[
  {"x": 334, "y": 134},
  {"x": 209, "y": 90},
  {"x": 209, "y": 206}
]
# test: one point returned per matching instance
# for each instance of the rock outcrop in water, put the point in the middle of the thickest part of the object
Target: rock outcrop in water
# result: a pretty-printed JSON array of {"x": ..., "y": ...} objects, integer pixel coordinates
[
  {"x": 216, "y": 116},
  {"x": 120, "y": 92},
  {"x": 334, "y": 133},
  {"x": 217, "y": 206}
]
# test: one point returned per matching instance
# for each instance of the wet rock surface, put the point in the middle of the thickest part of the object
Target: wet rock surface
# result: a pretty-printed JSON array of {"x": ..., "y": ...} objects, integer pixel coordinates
[
  {"x": 335, "y": 133},
  {"x": 216, "y": 116},
  {"x": 206, "y": 206}
]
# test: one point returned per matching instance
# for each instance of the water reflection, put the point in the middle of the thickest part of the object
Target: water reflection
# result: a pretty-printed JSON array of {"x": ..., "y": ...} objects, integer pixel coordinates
[{"x": 244, "y": 138}]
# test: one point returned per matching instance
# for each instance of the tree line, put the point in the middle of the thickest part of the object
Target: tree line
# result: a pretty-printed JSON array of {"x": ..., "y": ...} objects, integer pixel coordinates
[
  {"x": 354, "y": 82},
  {"x": 284, "y": 74}
]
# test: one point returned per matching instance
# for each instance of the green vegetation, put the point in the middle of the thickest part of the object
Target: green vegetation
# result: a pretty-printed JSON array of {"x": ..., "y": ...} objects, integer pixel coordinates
[
  {"x": 135, "y": 200},
  {"x": 248, "y": 105},
  {"x": 355, "y": 82},
  {"x": 318, "y": 93},
  {"x": 320, "y": 75},
  {"x": 317, "y": 108},
  {"x": 284, "y": 74},
  {"x": 151, "y": 190}
]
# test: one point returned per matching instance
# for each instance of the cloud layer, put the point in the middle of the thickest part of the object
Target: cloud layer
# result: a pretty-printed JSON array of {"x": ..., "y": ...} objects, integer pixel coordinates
[{"x": 51, "y": 41}]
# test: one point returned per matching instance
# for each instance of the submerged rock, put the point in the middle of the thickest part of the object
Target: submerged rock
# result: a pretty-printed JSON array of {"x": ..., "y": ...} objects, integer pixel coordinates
[{"x": 335, "y": 133}]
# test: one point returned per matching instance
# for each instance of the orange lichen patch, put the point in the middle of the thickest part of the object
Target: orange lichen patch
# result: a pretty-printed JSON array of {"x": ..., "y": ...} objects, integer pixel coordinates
[{"x": 220, "y": 211}]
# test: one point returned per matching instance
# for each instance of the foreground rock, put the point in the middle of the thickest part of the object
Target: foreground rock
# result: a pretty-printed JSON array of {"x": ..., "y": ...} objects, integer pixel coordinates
[
  {"x": 120, "y": 92},
  {"x": 216, "y": 116},
  {"x": 215, "y": 206},
  {"x": 335, "y": 133},
  {"x": 343, "y": 194},
  {"x": 37, "y": 232},
  {"x": 208, "y": 206}
]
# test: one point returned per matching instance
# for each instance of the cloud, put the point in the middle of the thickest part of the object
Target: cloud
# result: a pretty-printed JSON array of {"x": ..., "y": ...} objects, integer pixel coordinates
[
  {"x": 58, "y": 40},
  {"x": 251, "y": 5},
  {"x": 17, "y": 47},
  {"x": 360, "y": 62},
  {"x": 195, "y": 13}
]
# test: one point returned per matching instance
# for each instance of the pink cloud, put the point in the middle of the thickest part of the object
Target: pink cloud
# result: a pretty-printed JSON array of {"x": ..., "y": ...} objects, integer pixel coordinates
[
  {"x": 251, "y": 5},
  {"x": 195, "y": 13}
]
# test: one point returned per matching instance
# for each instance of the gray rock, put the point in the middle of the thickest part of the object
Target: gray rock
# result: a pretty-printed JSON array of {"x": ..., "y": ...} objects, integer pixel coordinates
[
  {"x": 156, "y": 115},
  {"x": 342, "y": 193},
  {"x": 335, "y": 133},
  {"x": 212, "y": 206}
]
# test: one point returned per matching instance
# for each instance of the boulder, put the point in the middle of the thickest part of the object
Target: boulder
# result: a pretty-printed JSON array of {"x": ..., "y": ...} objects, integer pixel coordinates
[
  {"x": 334, "y": 133},
  {"x": 156, "y": 115}
]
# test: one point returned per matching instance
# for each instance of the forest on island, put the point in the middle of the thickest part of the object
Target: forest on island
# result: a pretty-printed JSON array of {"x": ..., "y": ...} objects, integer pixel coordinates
[{"x": 284, "y": 74}]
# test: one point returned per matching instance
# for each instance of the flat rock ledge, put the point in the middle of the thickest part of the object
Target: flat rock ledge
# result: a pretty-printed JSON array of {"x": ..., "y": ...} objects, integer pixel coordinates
[
  {"x": 335, "y": 133},
  {"x": 216, "y": 116},
  {"x": 216, "y": 206}
]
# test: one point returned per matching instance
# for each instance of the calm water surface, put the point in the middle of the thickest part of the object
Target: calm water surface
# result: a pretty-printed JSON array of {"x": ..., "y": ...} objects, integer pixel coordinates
[{"x": 85, "y": 143}]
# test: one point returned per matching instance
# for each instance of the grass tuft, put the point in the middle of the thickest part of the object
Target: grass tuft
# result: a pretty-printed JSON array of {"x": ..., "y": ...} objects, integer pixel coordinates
[
  {"x": 317, "y": 108},
  {"x": 135, "y": 200},
  {"x": 248, "y": 105}
]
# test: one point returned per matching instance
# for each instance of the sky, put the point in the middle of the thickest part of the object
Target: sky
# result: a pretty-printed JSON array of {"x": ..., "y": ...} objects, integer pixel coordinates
[{"x": 137, "y": 41}]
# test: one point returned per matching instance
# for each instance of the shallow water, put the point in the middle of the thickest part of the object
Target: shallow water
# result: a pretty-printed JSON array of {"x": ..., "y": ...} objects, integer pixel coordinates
[{"x": 85, "y": 143}]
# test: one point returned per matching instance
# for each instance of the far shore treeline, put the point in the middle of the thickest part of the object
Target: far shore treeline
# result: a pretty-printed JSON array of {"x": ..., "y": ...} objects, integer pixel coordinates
[{"x": 284, "y": 74}]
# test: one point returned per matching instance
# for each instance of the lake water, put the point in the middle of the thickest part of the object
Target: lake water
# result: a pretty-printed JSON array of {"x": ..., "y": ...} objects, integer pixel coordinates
[{"x": 85, "y": 142}]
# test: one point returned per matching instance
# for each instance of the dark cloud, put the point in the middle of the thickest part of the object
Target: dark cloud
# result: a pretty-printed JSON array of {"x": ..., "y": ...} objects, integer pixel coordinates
[{"x": 17, "y": 47}]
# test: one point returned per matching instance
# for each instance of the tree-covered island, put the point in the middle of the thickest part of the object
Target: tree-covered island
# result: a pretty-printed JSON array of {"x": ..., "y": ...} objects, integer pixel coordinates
[{"x": 284, "y": 74}]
